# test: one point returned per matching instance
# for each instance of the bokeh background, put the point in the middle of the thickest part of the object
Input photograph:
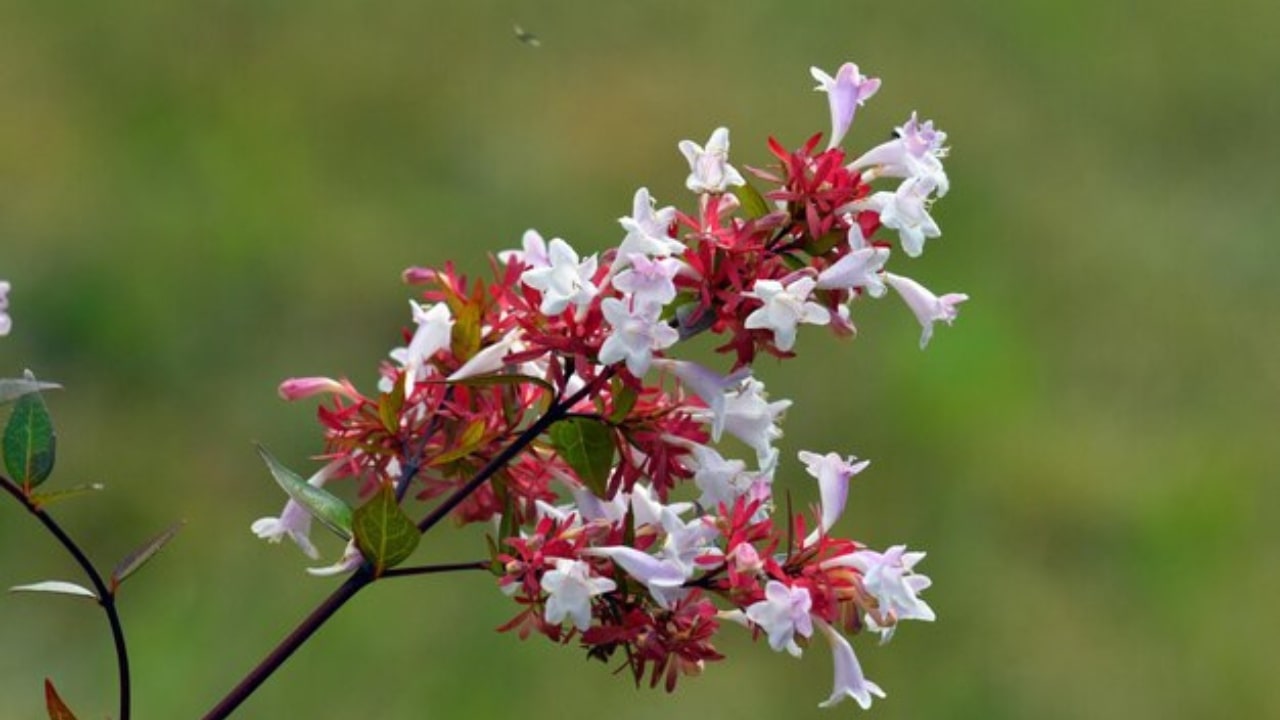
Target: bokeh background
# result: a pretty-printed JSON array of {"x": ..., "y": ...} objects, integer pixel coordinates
[{"x": 199, "y": 199}]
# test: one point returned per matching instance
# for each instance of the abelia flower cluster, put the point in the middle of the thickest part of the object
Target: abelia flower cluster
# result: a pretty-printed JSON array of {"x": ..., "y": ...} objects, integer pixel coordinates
[{"x": 620, "y": 521}]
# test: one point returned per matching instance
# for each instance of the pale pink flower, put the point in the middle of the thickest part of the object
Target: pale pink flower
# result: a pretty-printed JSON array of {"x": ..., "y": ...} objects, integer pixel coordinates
[
  {"x": 570, "y": 588},
  {"x": 845, "y": 93},
  {"x": 849, "y": 680},
  {"x": 782, "y": 615},
  {"x": 637, "y": 333},
  {"x": 710, "y": 171},
  {"x": 564, "y": 281},
  {"x": 928, "y": 308},
  {"x": 784, "y": 308}
]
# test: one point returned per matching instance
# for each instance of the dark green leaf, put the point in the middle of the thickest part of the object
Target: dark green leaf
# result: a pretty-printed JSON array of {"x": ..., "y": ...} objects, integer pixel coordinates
[
  {"x": 58, "y": 710},
  {"x": 753, "y": 203},
  {"x": 324, "y": 506},
  {"x": 29, "y": 443},
  {"x": 139, "y": 557},
  {"x": 587, "y": 445},
  {"x": 385, "y": 535},
  {"x": 13, "y": 388}
]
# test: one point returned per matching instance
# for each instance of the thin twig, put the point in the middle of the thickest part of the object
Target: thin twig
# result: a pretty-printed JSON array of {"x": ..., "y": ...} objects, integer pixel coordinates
[{"x": 106, "y": 599}]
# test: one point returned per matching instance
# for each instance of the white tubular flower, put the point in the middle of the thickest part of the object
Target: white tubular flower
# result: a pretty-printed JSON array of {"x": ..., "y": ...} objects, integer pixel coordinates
[
  {"x": 916, "y": 152},
  {"x": 784, "y": 308},
  {"x": 294, "y": 521},
  {"x": 564, "y": 281},
  {"x": 832, "y": 473},
  {"x": 710, "y": 171},
  {"x": 860, "y": 268},
  {"x": 750, "y": 417},
  {"x": 647, "y": 509},
  {"x": 928, "y": 308},
  {"x": 434, "y": 333},
  {"x": 905, "y": 210},
  {"x": 782, "y": 614},
  {"x": 489, "y": 360},
  {"x": 646, "y": 231},
  {"x": 707, "y": 384},
  {"x": 534, "y": 254},
  {"x": 636, "y": 334},
  {"x": 649, "y": 281},
  {"x": 845, "y": 93},
  {"x": 663, "y": 578},
  {"x": 891, "y": 579},
  {"x": 570, "y": 588},
  {"x": 849, "y": 680},
  {"x": 721, "y": 481}
]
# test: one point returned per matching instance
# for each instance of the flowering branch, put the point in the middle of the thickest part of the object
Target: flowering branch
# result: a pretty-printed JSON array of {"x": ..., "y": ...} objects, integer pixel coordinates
[{"x": 548, "y": 404}]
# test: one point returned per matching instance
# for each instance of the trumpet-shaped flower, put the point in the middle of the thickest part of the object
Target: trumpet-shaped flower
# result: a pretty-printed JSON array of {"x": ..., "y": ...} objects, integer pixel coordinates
[
  {"x": 570, "y": 588},
  {"x": 721, "y": 481},
  {"x": 750, "y": 417},
  {"x": 833, "y": 473},
  {"x": 860, "y": 268},
  {"x": 564, "y": 281},
  {"x": 637, "y": 332},
  {"x": 905, "y": 210},
  {"x": 891, "y": 579},
  {"x": 784, "y": 308},
  {"x": 649, "y": 280},
  {"x": 782, "y": 614},
  {"x": 917, "y": 151},
  {"x": 845, "y": 92},
  {"x": 534, "y": 252},
  {"x": 709, "y": 169},
  {"x": 435, "y": 330},
  {"x": 295, "y": 521},
  {"x": 849, "y": 680},
  {"x": 647, "y": 231},
  {"x": 928, "y": 308},
  {"x": 663, "y": 577},
  {"x": 707, "y": 384},
  {"x": 490, "y": 359}
]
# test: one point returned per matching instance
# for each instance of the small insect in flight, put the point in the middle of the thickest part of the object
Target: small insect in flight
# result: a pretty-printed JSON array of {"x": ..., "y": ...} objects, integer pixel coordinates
[{"x": 527, "y": 37}]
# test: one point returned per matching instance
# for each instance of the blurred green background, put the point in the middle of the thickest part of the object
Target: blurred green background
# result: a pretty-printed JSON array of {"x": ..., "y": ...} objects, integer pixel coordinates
[{"x": 200, "y": 199}]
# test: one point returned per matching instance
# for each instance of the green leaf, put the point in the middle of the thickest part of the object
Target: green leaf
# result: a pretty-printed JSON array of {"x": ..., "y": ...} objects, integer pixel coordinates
[
  {"x": 384, "y": 533},
  {"x": 587, "y": 445},
  {"x": 324, "y": 506},
  {"x": 44, "y": 499},
  {"x": 58, "y": 587},
  {"x": 29, "y": 443},
  {"x": 752, "y": 201},
  {"x": 463, "y": 445},
  {"x": 139, "y": 557},
  {"x": 57, "y": 709},
  {"x": 13, "y": 388},
  {"x": 624, "y": 400},
  {"x": 389, "y": 406}
]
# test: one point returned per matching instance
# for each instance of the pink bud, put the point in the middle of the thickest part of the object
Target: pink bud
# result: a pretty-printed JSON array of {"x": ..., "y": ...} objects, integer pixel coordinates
[{"x": 305, "y": 387}]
